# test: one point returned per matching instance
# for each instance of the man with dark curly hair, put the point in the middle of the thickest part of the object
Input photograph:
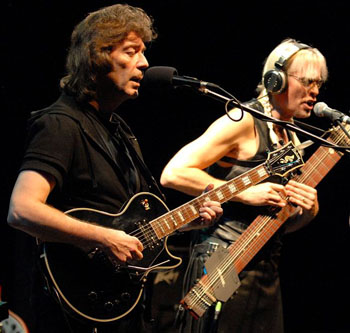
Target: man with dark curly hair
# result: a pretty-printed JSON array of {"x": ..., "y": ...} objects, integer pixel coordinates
[{"x": 80, "y": 153}]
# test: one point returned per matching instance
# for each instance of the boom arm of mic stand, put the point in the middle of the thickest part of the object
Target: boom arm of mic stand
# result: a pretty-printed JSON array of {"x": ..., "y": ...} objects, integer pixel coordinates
[{"x": 265, "y": 117}]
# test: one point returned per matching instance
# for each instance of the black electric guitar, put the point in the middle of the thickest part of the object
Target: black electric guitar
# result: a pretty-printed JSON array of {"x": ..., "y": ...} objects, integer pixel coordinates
[{"x": 93, "y": 289}]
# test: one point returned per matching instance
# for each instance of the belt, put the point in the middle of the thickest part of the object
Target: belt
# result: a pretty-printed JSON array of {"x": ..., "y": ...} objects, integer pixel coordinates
[{"x": 210, "y": 245}]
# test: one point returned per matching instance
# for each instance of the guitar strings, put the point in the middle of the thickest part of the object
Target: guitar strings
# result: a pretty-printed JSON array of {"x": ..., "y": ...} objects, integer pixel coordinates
[
  {"x": 245, "y": 241},
  {"x": 301, "y": 177},
  {"x": 306, "y": 174},
  {"x": 213, "y": 279},
  {"x": 254, "y": 233},
  {"x": 227, "y": 194},
  {"x": 147, "y": 232},
  {"x": 227, "y": 265}
]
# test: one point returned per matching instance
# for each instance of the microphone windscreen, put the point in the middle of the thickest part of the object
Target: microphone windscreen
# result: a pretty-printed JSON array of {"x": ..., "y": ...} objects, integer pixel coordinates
[
  {"x": 158, "y": 77},
  {"x": 319, "y": 108}
]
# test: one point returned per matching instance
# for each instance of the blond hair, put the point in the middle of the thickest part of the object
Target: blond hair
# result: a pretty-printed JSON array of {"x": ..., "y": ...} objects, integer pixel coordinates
[{"x": 307, "y": 60}]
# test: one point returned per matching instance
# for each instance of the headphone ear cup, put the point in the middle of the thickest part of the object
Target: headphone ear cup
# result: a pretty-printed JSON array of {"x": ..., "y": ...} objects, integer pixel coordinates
[{"x": 275, "y": 81}]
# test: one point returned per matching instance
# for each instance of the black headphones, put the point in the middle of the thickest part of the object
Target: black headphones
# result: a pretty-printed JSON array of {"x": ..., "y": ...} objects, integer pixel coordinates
[{"x": 275, "y": 80}]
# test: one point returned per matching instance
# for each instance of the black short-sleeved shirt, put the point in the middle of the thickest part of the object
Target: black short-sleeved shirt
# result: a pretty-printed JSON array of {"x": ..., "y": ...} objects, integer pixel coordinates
[
  {"x": 96, "y": 164},
  {"x": 89, "y": 162}
]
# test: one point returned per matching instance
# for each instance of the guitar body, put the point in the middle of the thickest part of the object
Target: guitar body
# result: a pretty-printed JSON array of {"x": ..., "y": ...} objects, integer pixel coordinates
[{"x": 91, "y": 287}]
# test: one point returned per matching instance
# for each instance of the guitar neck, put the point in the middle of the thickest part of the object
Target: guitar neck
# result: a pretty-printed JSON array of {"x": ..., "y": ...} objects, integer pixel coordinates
[
  {"x": 265, "y": 226},
  {"x": 200, "y": 297},
  {"x": 279, "y": 162},
  {"x": 175, "y": 219}
]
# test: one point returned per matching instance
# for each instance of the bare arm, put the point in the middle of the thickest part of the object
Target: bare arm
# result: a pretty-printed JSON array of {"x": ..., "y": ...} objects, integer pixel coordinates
[
  {"x": 185, "y": 171},
  {"x": 29, "y": 212}
]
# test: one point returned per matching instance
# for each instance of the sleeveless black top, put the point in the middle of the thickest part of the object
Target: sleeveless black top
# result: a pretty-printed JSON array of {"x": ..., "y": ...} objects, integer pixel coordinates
[{"x": 238, "y": 216}]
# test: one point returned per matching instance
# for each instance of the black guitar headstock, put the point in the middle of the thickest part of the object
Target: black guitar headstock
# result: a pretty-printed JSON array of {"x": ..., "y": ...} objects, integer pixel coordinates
[{"x": 285, "y": 160}]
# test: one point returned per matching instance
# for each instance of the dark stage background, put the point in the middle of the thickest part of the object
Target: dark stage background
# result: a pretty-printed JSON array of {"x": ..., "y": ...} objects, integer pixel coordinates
[{"x": 221, "y": 42}]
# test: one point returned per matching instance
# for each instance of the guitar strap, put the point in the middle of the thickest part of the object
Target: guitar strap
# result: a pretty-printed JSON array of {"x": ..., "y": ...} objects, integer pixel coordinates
[{"x": 135, "y": 153}]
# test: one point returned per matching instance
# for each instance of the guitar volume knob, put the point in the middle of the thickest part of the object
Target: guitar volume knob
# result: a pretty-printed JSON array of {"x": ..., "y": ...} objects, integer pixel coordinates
[
  {"x": 109, "y": 306},
  {"x": 92, "y": 296},
  {"x": 125, "y": 296}
]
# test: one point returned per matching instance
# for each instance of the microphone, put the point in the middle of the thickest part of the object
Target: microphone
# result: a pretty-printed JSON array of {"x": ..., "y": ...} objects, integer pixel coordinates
[
  {"x": 322, "y": 110},
  {"x": 162, "y": 76}
]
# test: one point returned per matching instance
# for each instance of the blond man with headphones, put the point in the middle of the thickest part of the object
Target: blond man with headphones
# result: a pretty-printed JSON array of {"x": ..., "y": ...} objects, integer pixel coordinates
[{"x": 292, "y": 77}]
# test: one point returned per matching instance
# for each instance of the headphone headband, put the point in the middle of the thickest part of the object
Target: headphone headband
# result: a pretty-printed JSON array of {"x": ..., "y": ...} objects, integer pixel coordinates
[{"x": 295, "y": 47}]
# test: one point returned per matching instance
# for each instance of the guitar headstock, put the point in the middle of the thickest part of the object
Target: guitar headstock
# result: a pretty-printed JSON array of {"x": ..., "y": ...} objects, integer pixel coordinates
[{"x": 284, "y": 160}]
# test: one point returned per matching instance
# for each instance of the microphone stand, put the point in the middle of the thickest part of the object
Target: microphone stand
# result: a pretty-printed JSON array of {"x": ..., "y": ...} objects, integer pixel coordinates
[{"x": 204, "y": 90}]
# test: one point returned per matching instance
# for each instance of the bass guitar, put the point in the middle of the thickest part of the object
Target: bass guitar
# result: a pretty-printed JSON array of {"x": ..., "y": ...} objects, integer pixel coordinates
[
  {"x": 238, "y": 254},
  {"x": 91, "y": 288}
]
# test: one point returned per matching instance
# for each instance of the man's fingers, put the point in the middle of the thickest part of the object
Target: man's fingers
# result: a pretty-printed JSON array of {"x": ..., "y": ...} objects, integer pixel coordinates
[{"x": 137, "y": 255}]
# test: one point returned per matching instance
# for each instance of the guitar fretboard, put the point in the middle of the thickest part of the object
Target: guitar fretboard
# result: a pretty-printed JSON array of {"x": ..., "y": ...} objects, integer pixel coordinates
[
  {"x": 199, "y": 298},
  {"x": 171, "y": 221},
  {"x": 279, "y": 162},
  {"x": 264, "y": 227}
]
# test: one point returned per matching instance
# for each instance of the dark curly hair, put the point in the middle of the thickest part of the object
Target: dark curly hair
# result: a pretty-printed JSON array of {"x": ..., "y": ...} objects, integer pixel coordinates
[{"x": 92, "y": 41}]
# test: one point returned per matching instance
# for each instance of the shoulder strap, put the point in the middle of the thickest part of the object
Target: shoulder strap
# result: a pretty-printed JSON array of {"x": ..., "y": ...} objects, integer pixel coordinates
[
  {"x": 134, "y": 149},
  {"x": 144, "y": 169}
]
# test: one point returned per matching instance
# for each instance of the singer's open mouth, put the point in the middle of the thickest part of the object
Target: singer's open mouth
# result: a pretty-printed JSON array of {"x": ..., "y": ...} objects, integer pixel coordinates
[
  {"x": 136, "y": 79},
  {"x": 310, "y": 103}
]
